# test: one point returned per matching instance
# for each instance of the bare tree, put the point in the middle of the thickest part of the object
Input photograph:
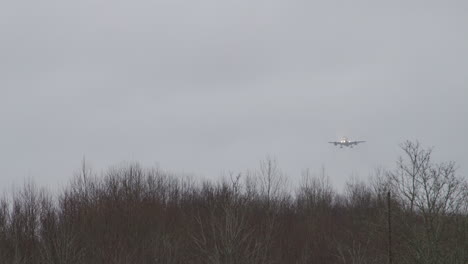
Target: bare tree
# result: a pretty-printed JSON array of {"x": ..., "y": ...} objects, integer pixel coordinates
[
  {"x": 225, "y": 233},
  {"x": 315, "y": 191},
  {"x": 356, "y": 253},
  {"x": 407, "y": 177},
  {"x": 432, "y": 191},
  {"x": 271, "y": 180},
  {"x": 134, "y": 215}
]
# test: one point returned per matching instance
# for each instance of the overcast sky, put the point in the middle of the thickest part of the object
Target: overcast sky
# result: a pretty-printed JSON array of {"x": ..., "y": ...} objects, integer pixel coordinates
[{"x": 209, "y": 86}]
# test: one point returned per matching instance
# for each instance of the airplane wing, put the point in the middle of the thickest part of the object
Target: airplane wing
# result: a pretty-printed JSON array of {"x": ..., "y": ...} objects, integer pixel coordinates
[
  {"x": 356, "y": 142},
  {"x": 334, "y": 142}
]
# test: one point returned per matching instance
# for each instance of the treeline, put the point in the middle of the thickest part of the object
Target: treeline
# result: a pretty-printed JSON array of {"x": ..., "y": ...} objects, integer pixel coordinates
[{"x": 136, "y": 215}]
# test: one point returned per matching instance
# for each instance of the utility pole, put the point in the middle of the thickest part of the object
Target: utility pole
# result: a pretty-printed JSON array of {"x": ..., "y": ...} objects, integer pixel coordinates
[{"x": 390, "y": 260}]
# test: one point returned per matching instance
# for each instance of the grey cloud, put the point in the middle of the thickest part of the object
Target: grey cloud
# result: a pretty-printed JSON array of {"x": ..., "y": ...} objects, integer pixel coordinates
[{"x": 207, "y": 86}]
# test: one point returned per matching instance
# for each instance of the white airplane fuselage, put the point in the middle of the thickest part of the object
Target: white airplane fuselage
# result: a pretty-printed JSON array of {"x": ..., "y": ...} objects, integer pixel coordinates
[{"x": 345, "y": 143}]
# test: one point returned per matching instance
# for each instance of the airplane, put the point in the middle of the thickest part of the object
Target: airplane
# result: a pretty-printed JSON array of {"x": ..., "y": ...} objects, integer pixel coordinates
[{"x": 345, "y": 142}]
